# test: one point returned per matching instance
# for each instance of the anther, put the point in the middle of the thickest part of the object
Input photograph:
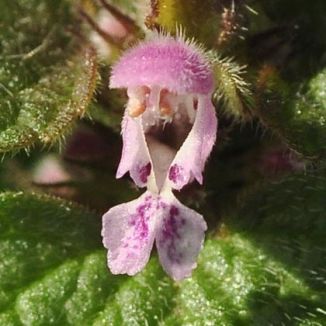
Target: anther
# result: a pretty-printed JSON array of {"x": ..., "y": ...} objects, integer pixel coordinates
[
  {"x": 166, "y": 110},
  {"x": 135, "y": 107}
]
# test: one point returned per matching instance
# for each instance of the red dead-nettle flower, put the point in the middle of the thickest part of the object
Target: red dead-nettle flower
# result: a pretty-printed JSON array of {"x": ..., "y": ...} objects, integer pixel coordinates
[{"x": 169, "y": 128}]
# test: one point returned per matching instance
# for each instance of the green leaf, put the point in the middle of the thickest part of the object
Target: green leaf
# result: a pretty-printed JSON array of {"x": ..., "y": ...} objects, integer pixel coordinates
[
  {"x": 53, "y": 269},
  {"x": 297, "y": 113},
  {"x": 265, "y": 267},
  {"x": 46, "y": 77}
]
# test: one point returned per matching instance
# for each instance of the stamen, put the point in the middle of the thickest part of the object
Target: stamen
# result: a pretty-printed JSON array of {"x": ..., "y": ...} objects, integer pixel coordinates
[
  {"x": 166, "y": 110},
  {"x": 137, "y": 101},
  {"x": 135, "y": 107},
  {"x": 167, "y": 104}
]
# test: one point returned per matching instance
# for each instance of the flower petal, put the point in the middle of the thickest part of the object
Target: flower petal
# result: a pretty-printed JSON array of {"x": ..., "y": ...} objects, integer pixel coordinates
[
  {"x": 128, "y": 233},
  {"x": 179, "y": 239},
  {"x": 135, "y": 156},
  {"x": 175, "y": 64},
  {"x": 191, "y": 157}
]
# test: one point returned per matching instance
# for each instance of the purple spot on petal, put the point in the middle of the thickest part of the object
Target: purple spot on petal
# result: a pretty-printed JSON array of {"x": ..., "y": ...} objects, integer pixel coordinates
[
  {"x": 144, "y": 172},
  {"x": 139, "y": 220},
  {"x": 132, "y": 222},
  {"x": 141, "y": 210},
  {"x": 163, "y": 205},
  {"x": 172, "y": 226},
  {"x": 175, "y": 173},
  {"x": 174, "y": 211}
]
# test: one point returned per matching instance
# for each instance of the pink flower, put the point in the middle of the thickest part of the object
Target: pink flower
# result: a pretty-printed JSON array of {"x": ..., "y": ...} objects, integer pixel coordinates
[{"x": 169, "y": 128}]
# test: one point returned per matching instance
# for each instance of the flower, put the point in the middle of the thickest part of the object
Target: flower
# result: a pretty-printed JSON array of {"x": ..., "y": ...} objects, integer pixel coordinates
[{"x": 168, "y": 129}]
